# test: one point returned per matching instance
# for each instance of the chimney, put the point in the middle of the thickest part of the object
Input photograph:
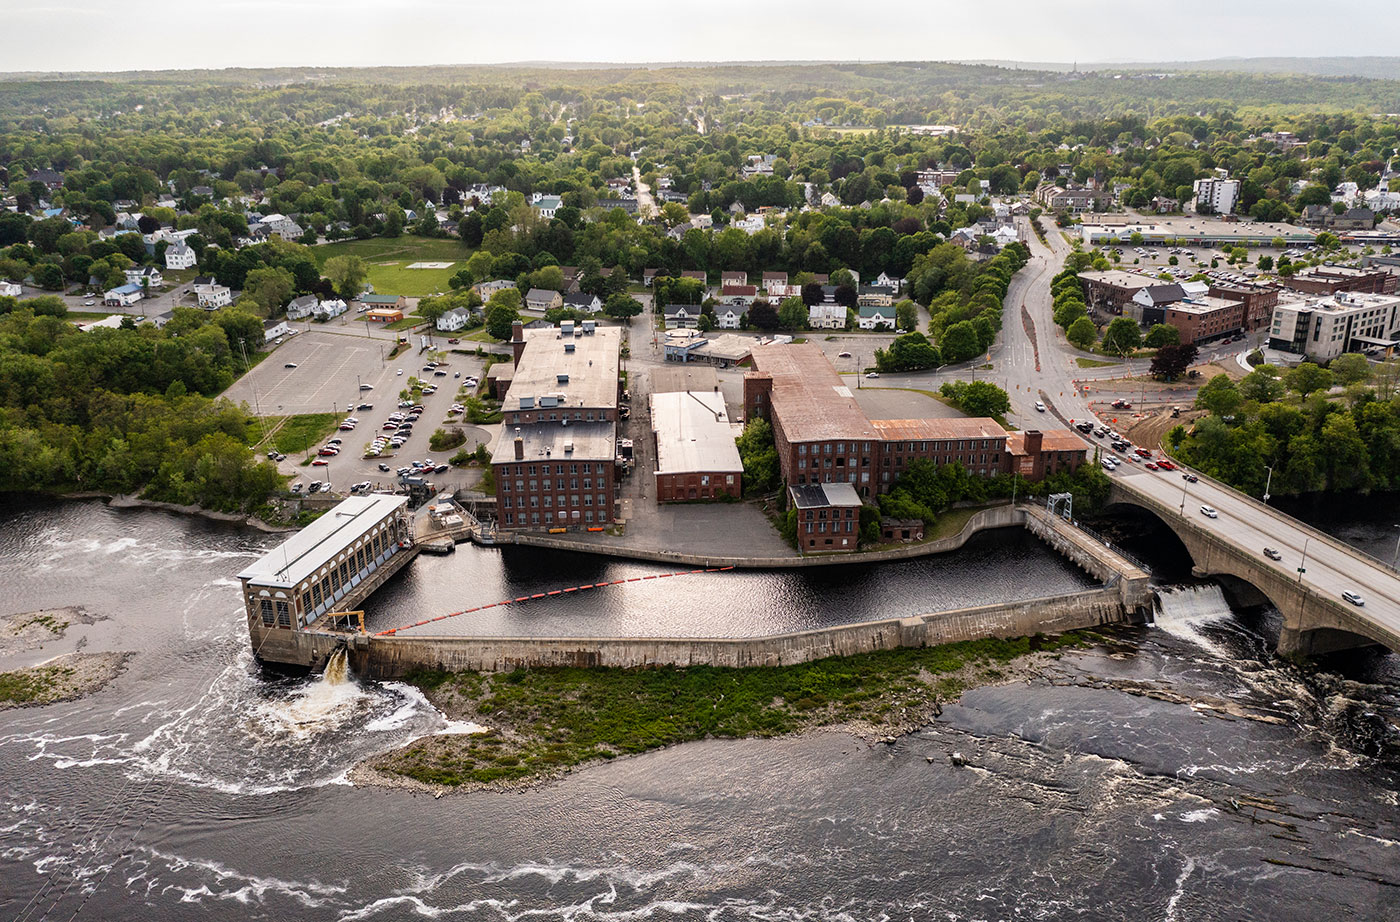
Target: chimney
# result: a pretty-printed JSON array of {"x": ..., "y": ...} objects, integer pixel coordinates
[
  {"x": 519, "y": 448},
  {"x": 517, "y": 340},
  {"x": 1034, "y": 439}
]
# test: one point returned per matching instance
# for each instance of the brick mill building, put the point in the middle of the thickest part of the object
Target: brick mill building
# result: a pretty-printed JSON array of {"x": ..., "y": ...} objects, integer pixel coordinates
[{"x": 554, "y": 461}]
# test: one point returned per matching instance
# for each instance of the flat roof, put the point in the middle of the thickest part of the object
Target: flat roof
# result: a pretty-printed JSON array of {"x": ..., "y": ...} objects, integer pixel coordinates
[
  {"x": 1050, "y": 440},
  {"x": 1120, "y": 279},
  {"x": 809, "y": 398},
  {"x": 1199, "y": 228},
  {"x": 683, "y": 377},
  {"x": 693, "y": 433},
  {"x": 590, "y": 368},
  {"x": 729, "y": 346},
  {"x": 305, "y": 552},
  {"x": 574, "y": 442},
  {"x": 815, "y": 495},
  {"x": 1203, "y": 305},
  {"x": 956, "y": 427}
]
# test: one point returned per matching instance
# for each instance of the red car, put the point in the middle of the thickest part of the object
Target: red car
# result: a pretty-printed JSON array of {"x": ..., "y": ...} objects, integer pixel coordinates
[
  {"x": 320, "y": 462},
  {"x": 1166, "y": 465},
  {"x": 454, "y": 341}
]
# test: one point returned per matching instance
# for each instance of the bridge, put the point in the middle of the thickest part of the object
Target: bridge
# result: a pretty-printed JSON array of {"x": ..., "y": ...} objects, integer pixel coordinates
[{"x": 1306, "y": 585}]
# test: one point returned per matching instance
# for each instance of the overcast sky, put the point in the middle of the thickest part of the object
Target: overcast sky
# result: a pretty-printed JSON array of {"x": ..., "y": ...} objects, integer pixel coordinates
[{"x": 49, "y": 35}]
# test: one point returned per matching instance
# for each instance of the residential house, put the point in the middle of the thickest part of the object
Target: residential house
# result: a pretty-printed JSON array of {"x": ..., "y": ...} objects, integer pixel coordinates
[
  {"x": 1354, "y": 219},
  {"x": 301, "y": 308},
  {"x": 543, "y": 299},
  {"x": 875, "y": 296},
  {"x": 144, "y": 275},
  {"x": 328, "y": 309},
  {"x": 1161, "y": 204},
  {"x": 160, "y": 320},
  {"x": 213, "y": 297},
  {"x": 885, "y": 280},
  {"x": 733, "y": 278},
  {"x": 122, "y": 296},
  {"x": 827, "y": 314},
  {"x": 50, "y": 178},
  {"x": 179, "y": 256},
  {"x": 582, "y": 301},
  {"x": 454, "y": 320},
  {"x": 273, "y": 329},
  {"x": 695, "y": 274},
  {"x": 649, "y": 276},
  {"x": 771, "y": 279},
  {"x": 875, "y": 317},
  {"x": 681, "y": 316},
  {"x": 1317, "y": 215},
  {"x": 731, "y": 316},
  {"x": 487, "y": 289},
  {"x": 546, "y": 205},
  {"x": 738, "y": 294},
  {"x": 10, "y": 289}
]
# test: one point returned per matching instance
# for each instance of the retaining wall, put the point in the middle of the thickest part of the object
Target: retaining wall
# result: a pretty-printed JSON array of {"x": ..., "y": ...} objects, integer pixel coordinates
[{"x": 392, "y": 657}]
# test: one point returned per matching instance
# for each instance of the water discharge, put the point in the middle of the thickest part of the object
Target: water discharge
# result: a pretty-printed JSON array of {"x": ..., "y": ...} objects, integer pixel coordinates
[{"x": 1184, "y": 612}]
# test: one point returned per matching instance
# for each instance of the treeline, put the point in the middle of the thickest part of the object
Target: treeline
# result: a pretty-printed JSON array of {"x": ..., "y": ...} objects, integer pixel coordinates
[
  {"x": 125, "y": 410},
  {"x": 926, "y": 490},
  {"x": 1313, "y": 439}
]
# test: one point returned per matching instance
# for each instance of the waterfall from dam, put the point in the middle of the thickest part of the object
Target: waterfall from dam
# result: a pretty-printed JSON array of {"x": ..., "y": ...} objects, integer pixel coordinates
[{"x": 1183, "y": 611}]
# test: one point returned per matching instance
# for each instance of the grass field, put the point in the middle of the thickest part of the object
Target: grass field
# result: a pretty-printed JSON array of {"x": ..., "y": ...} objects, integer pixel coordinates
[
  {"x": 388, "y": 261},
  {"x": 1094, "y": 363},
  {"x": 299, "y": 433}
]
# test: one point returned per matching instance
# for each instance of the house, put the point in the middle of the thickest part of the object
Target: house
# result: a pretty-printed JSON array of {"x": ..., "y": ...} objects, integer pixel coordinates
[
  {"x": 875, "y": 296},
  {"x": 695, "y": 274},
  {"x": 301, "y": 308},
  {"x": 827, "y": 315},
  {"x": 11, "y": 289},
  {"x": 733, "y": 278},
  {"x": 1317, "y": 215},
  {"x": 328, "y": 309},
  {"x": 546, "y": 205},
  {"x": 582, "y": 301},
  {"x": 1161, "y": 204},
  {"x": 1148, "y": 306},
  {"x": 53, "y": 180},
  {"x": 681, "y": 316},
  {"x": 1354, "y": 219},
  {"x": 771, "y": 279},
  {"x": 738, "y": 294},
  {"x": 122, "y": 296},
  {"x": 454, "y": 320},
  {"x": 179, "y": 256},
  {"x": 828, "y": 516},
  {"x": 144, "y": 275},
  {"x": 731, "y": 316},
  {"x": 160, "y": 320},
  {"x": 885, "y": 280},
  {"x": 273, "y": 329},
  {"x": 875, "y": 317},
  {"x": 387, "y": 302},
  {"x": 649, "y": 276},
  {"x": 213, "y": 297},
  {"x": 543, "y": 299},
  {"x": 487, "y": 289}
]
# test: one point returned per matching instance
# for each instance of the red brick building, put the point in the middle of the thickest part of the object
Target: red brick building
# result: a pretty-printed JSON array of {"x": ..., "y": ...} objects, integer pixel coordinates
[
  {"x": 1259, "y": 301},
  {"x": 1329, "y": 280},
  {"x": 828, "y": 516},
  {"x": 696, "y": 457}
]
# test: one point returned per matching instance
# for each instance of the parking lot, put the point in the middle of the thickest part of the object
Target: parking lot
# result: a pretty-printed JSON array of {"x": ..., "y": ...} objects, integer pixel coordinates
[{"x": 329, "y": 369}]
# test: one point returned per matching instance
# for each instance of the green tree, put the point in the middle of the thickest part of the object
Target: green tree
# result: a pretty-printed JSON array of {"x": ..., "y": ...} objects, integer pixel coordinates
[
  {"x": 1350, "y": 368},
  {"x": 983, "y": 398},
  {"x": 1162, "y": 334},
  {"x": 501, "y": 312},
  {"x": 792, "y": 314},
  {"x": 1306, "y": 378},
  {"x": 1262, "y": 385},
  {"x": 347, "y": 273},
  {"x": 1123, "y": 336},
  {"x": 1219, "y": 396},
  {"x": 759, "y": 455},
  {"x": 906, "y": 315},
  {"x": 621, "y": 306},
  {"x": 1082, "y": 333},
  {"x": 269, "y": 288},
  {"x": 959, "y": 343}
]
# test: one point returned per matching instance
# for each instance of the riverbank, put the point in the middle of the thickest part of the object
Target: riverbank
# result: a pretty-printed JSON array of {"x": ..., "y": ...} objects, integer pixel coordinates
[
  {"x": 64, "y": 678},
  {"x": 546, "y": 722},
  {"x": 132, "y": 501}
]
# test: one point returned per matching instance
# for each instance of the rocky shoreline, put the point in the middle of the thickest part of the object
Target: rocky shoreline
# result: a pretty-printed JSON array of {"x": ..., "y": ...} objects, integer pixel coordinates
[{"x": 132, "y": 501}]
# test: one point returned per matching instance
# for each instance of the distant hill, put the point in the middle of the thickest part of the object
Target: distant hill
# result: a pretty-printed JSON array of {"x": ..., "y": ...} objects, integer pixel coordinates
[{"x": 1383, "y": 68}]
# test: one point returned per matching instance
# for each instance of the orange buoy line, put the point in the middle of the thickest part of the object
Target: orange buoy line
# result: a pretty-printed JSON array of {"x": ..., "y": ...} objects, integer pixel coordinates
[{"x": 541, "y": 595}]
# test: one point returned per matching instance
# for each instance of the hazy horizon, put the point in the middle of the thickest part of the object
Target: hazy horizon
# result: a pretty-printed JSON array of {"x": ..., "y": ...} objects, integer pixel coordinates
[{"x": 164, "y": 35}]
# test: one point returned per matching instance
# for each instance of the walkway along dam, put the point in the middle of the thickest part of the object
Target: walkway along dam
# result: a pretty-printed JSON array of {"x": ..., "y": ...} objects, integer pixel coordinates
[{"x": 339, "y": 563}]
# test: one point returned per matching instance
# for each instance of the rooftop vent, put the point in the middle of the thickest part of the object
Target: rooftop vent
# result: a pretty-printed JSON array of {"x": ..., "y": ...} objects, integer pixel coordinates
[
  {"x": 568, "y": 446},
  {"x": 526, "y": 403},
  {"x": 562, "y": 379},
  {"x": 566, "y": 328},
  {"x": 568, "y": 347}
]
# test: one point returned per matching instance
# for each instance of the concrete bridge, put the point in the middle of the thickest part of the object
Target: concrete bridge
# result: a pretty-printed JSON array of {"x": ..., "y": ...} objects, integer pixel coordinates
[{"x": 1306, "y": 586}]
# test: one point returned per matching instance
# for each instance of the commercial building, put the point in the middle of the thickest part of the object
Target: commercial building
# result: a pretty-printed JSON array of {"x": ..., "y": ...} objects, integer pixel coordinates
[
  {"x": 1330, "y": 280},
  {"x": 384, "y": 315},
  {"x": 1258, "y": 300},
  {"x": 555, "y": 455},
  {"x": 330, "y": 565},
  {"x": 828, "y": 516},
  {"x": 1109, "y": 291},
  {"x": 1216, "y": 196},
  {"x": 1323, "y": 328},
  {"x": 1198, "y": 319},
  {"x": 823, "y": 436},
  {"x": 1195, "y": 231},
  {"x": 696, "y": 456},
  {"x": 1149, "y": 306}
]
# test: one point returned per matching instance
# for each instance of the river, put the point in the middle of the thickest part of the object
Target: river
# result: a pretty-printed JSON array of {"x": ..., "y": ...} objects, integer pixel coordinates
[{"x": 1175, "y": 772}]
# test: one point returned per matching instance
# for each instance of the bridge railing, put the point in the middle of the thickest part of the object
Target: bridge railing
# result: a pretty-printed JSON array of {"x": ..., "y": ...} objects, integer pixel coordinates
[
  {"x": 1114, "y": 547},
  {"x": 1313, "y": 533}
]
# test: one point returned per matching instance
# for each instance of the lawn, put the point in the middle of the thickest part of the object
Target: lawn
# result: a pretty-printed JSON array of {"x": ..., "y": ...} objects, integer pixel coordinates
[
  {"x": 298, "y": 433},
  {"x": 1094, "y": 363},
  {"x": 388, "y": 261}
]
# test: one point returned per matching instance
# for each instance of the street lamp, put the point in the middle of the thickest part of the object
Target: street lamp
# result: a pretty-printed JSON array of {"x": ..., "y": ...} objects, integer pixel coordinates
[
  {"x": 1302, "y": 564},
  {"x": 1270, "y": 481},
  {"x": 1395, "y": 563}
]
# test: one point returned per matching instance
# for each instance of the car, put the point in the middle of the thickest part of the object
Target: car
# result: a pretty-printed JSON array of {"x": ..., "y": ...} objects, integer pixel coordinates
[
  {"x": 89, "y": 302},
  {"x": 347, "y": 427},
  {"x": 365, "y": 406},
  {"x": 430, "y": 366},
  {"x": 1190, "y": 478},
  {"x": 843, "y": 355},
  {"x": 399, "y": 372},
  {"x": 453, "y": 341},
  {"x": 315, "y": 487},
  {"x": 1353, "y": 597},
  {"x": 1085, "y": 428},
  {"x": 366, "y": 387},
  {"x": 290, "y": 365},
  {"x": 1150, "y": 466},
  {"x": 320, "y": 462},
  {"x": 440, "y": 373},
  {"x": 1272, "y": 554},
  {"x": 1209, "y": 512},
  {"x": 1142, "y": 452},
  {"x": 296, "y": 488},
  {"x": 334, "y": 441},
  {"x": 1166, "y": 465},
  {"x": 292, "y": 332},
  {"x": 440, "y": 469},
  {"x": 1039, "y": 407},
  {"x": 1108, "y": 464},
  {"x": 384, "y": 467},
  {"x": 872, "y": 374},
  {"x": 404, "y": 470}
]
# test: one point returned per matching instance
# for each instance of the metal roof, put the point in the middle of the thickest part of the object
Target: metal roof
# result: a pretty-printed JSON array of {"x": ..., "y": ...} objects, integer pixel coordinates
[
  {"x": 318, "y": 543},
  {"x": 693, "y": 433}
]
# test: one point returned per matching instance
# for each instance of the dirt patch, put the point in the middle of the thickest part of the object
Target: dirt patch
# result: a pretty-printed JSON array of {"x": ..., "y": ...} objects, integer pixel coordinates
[
  {"x": 30, "y": 630},
  {"x": 65, "y": 678},
  {"x": 1151, "y": 429}
]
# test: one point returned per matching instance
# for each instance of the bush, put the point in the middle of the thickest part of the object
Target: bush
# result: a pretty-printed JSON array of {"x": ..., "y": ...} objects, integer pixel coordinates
[{"x": 446, "y": 439}]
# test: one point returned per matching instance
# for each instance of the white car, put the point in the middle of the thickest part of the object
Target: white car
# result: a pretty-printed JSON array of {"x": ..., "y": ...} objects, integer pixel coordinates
[
  {"x": 1209, "y": 512},
  {"x": 1354, "y": 598},
  {"x": 872, "y": 374},
  {"x": 1039, "y": 407}
]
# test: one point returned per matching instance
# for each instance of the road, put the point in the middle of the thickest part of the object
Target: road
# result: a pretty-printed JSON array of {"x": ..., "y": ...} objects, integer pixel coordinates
[{"x": 646, "y": 205}]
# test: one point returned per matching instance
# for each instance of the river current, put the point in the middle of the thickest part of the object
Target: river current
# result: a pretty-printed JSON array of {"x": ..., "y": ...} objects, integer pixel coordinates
[{"x": 1175, "y": 772}]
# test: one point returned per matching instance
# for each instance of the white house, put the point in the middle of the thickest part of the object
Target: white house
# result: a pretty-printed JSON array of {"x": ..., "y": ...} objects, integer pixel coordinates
[
  {"x": 122, "y": 296},
  {"x": 826, "y": 316},
  {"x": 583, "y": 301},
  {"x": 681, "y": 316},
  {"x": 885, "y": 280},
  {"x": 273, "y": 329},
  {"x": 301, "y": 308},
  {"x": 328, "y": 309},
  {"x": 213, "y": 297},
  {"x": 179, "y": 256},
  {"x": 487, "y": 289},
  {"x": 454, "y": 320},
  {"x": 873, "y": 317},
  {"x": 546, "y": 205},
  {"x": 11, "y": 289},
  {"x": 730, "y": 317},
  {"x": 150, "y": 275}
]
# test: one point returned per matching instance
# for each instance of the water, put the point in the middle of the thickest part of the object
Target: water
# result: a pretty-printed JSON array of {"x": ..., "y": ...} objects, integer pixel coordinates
[{"x": 1177, "y": 772}]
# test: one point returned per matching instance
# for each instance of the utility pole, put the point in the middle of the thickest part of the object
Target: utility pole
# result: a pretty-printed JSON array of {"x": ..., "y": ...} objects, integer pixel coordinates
[
  {"x": 1302, "y": 564},
  {"x": 1269, "y": 481},
  {"x": 1395, "y": 564}
]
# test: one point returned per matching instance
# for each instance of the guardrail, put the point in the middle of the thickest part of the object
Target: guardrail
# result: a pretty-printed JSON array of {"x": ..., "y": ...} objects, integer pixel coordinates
[{"x": 1115, "y": 548}]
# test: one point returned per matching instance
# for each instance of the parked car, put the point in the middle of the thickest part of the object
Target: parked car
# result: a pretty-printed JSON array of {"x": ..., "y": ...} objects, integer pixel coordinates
[
  {"x": 366, "y": 387},
  {"x": 1353, "y": 597},
  {"x": 1272, "y": 554},
  {"x": 441, "y": 469},
  {"x": 1039, "y": 407},
  {"x": 439, "y": 373},
  {"x": 290, "y": 365},
  {"x": 453, "y": 341},
  {"x": 383, "y": 467},
  {"x": 843, "y": 355},
  {"x": 872, "y": 374},
  {"x": 296, "y": 488},
  {"x": 399, "y": 372},
  {"x": 319, "y": 462},
  {"x": 1209, "y": 512},
  {"x": 315, "y": 487},
  {"x": 365, "y": 406}
]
